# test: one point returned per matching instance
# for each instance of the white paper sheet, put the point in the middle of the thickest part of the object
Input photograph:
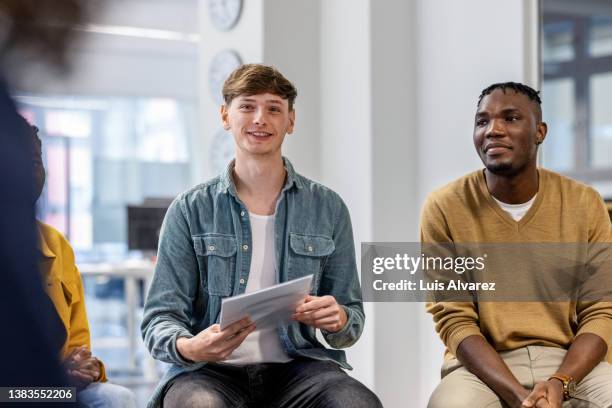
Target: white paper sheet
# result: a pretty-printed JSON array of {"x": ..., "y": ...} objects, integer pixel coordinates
[{"x": 267, "y": 307}]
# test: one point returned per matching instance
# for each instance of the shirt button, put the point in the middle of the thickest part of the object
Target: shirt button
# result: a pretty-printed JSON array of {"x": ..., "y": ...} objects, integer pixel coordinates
[
  {"x": 242, "y": 213},
  {"x": 211, "y": 248},
  {"x": 245, "y": 247},
  {"x": 310, "y": 248},
  {"x": 242, "y": 281}
]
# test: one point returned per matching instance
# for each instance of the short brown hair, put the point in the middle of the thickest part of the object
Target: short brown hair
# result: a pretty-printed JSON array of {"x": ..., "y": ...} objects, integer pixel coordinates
[{"x": 253, "y": 79}]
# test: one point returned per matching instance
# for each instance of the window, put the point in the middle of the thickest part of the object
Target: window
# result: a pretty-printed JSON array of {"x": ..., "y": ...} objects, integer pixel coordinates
[
  {"x": 577, "y": 89},
  {"x": 103, "y": 154}
]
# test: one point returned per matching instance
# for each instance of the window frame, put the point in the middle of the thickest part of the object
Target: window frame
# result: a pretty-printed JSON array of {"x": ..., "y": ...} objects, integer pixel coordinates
[{"x": 580, "y": 70}]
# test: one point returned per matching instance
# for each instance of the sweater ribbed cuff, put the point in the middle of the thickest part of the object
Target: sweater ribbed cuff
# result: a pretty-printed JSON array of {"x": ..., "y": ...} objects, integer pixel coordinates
[
  {"x": 102, "y": 376},
  {"x": 459, "y": 335}
]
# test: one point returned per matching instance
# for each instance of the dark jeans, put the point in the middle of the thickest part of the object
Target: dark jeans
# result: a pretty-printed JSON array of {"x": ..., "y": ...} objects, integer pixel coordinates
[{"x": 299, "y": 383}]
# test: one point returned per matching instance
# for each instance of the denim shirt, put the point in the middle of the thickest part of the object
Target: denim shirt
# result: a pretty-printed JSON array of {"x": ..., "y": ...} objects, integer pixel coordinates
[{"x": 205, "y": 255}]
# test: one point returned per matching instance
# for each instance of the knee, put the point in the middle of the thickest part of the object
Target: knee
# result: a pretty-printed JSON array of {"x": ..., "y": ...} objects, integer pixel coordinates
[
  {"x": 107, "y": 395},
  {"x": 204, "y": 399},
  {"x": 118, "y": 396},
  {"x": 442, "y": 397},
  {"x": 124, "y": 398},
  {"x": 195, "y": 399},
  {"x": 439, "y": 400},
  {"x": 351, "y": 394}
]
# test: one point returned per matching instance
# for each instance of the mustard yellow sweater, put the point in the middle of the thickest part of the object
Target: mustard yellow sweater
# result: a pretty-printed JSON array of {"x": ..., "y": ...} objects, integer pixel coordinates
[
  {"x": 564, "y": 211},
  {"x": 65, "y": 288}
]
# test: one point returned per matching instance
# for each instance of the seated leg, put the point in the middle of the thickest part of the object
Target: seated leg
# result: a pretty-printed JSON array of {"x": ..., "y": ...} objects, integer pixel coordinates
[
  {"x": 595, "y": 390},
  {"x": 203, "y": 389},
  {"x": 319, "y": 384},
  {"x": 106, "y": 395},
  {"x": 461, "y": 389}
]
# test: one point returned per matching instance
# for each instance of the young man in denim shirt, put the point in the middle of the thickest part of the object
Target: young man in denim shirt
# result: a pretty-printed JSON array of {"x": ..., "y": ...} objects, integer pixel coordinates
[{"x": 258, "y": 224}]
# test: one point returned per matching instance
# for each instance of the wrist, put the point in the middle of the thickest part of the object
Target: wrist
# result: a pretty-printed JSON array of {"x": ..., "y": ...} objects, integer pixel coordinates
[
  {"x": 516, "y": 396},
  {"x": 183, "y": 347},
  {"x": 567, "y": 385},
  {"x": 557, "y": 383},
  {"x": 100, "y": 370},
  {"x": 343, "y": 318}
]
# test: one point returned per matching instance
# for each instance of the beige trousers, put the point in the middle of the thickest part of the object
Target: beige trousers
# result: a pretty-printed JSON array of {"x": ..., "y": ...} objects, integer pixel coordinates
[{"x": 461, "y": 389}]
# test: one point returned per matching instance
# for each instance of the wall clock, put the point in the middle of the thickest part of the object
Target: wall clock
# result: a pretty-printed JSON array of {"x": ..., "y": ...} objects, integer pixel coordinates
[
  {"x": 224, "y": 14},
  {"x": 222, "y": 64}
]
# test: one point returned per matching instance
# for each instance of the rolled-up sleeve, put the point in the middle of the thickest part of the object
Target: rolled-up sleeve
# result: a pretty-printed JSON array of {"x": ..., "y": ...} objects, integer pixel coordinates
[{"x": 169, "y": 303}]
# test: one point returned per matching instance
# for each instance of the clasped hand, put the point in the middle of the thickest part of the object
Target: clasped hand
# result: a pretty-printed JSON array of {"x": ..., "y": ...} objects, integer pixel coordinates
[
  {"x": 546, "y": 394},
  {"x": 81, "y": 367}
]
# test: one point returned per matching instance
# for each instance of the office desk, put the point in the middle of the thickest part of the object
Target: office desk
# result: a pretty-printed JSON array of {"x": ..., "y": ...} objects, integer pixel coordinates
[{"x": 131, "y": 272}]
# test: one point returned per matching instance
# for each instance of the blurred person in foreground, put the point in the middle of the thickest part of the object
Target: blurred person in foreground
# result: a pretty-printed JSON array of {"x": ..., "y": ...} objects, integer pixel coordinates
[
  {"x": 533, "y": 353},
  {"x": 32, "y": 330},
  {"x": 65, "y": 289}
]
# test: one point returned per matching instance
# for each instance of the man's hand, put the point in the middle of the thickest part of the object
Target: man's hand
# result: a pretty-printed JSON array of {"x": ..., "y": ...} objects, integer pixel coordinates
[
  {"x": 584, "y": 354},
  {"x": 322, "y": 313},
  {"x": 481, "y": 359},
  {"x": 546, "y": 394},
  {"x": 81, "y": 367},
  {"x": 213, "y": 344}
]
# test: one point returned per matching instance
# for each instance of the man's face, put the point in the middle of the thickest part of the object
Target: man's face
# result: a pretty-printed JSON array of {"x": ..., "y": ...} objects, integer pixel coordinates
[
  {"x": 258, "y": 122},
  {"x": 507, "y": 131}
]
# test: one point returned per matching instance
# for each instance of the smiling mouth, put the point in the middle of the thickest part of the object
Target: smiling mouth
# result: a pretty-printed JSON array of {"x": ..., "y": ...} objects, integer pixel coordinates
[
  {"x": 259, "y": 134},
  {"x": 496, "y": 149}
]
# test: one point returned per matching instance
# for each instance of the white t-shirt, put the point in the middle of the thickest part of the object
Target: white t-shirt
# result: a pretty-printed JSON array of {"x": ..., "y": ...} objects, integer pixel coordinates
[
  {"x": 261, "y": 346},
  {"x": 516, "y": 211}
]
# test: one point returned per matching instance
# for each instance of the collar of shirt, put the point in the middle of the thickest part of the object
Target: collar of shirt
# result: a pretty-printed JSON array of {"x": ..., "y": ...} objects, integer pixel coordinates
[
  {"x": 43, "y": 247},
  {"x": 228, "y": 185}
]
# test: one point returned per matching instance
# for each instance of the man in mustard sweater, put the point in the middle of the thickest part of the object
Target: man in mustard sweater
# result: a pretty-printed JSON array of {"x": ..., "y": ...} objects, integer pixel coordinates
[
  {"x": 511, "y": 354},
  {"x": 65, "y": 289}
]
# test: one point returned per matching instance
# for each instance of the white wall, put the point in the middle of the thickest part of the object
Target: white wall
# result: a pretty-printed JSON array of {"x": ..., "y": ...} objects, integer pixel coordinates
[
  {"x": 292, "y": 45},
  {"x": 346, "y": 128},
  {"x": 394, "y": 142}
]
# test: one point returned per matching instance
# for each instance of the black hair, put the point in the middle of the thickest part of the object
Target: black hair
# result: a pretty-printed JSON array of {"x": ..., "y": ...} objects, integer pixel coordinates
[{"x": 516, "y": 87}]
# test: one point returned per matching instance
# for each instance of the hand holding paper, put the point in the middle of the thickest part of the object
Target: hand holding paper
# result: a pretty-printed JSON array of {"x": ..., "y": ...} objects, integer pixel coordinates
[
  {"x": 268, "y": 307},
  {"x": 322, "y": 313},
  {"x": 215, "y": 344}
]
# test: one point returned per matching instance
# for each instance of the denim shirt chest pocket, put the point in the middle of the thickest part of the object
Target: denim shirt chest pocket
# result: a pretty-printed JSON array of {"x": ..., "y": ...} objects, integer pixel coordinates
[
  {"x": 217, "y": 262},
  {"x": 308, "y": 255}
]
